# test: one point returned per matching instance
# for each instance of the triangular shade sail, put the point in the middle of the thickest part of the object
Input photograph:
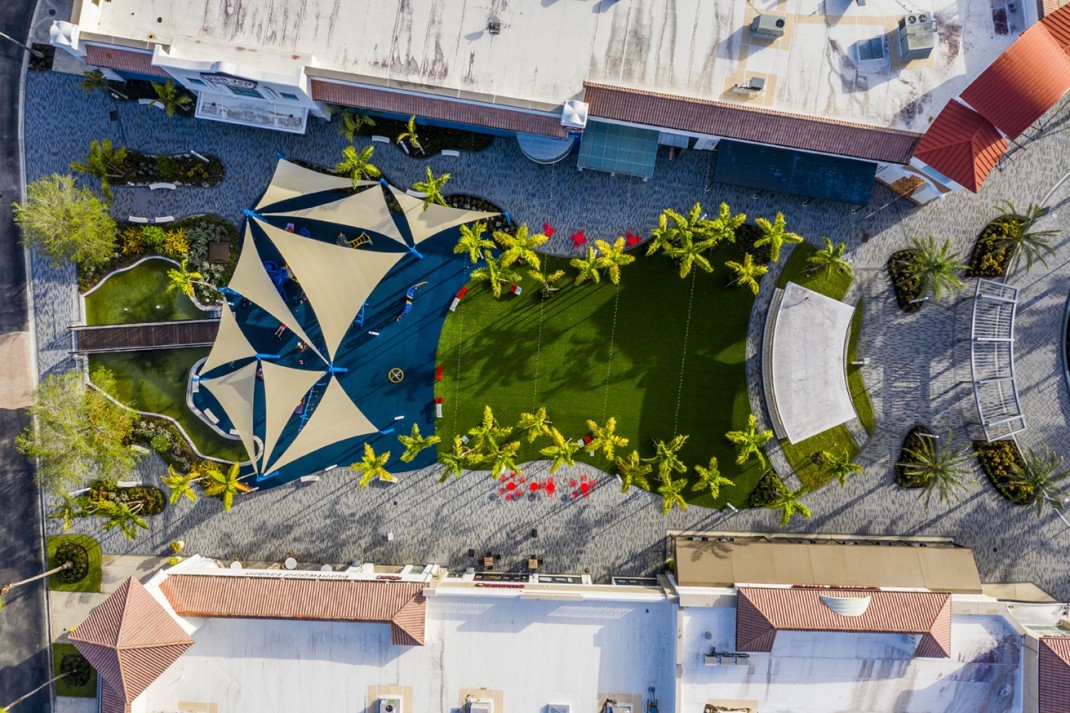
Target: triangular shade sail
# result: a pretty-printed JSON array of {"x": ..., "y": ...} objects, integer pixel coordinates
[
  {"x": 366, "y": 210},
  {"x": 334, "y": 419},
  {"x": 427, "y": 223},
  {"x": 230, "y": 343},
  {"x": 292, "y": 181},
  {"x": 234, "y": 391},
  {"x": 283, "y": 390},
  {"x": 251, "y": 281},
  {"x": 336, "y": 280}
]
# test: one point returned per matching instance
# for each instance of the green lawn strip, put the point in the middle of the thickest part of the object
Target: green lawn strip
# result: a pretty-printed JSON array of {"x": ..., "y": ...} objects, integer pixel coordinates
[
  {"x": 520, "y": 353},
  {"x": 832, "y": 284},
  {"x": 139, "y": 295},
  {"x": 63, "y": 686},
  {"x": 155, "y": 382},
  {"x": 91, "y": 583},
  {"x": 855, "y": 384},
  {"x": 836, "y": 440}
]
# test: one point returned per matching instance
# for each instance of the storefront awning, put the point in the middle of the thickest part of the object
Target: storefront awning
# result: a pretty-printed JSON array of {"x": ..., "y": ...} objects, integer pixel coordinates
[{"x": 616, "y": 148}]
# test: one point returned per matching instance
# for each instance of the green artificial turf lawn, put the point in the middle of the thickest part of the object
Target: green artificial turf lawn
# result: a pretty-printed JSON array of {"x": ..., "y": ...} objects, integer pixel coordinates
[
  {"x": 836, "y": 440},
  {"x": 857, "y": 387},
  {"x": 832, "y": 284},
  {"x": 155, "y": 382},
  {"x": 595, "y": 351},
  {"x": 139, "y": 295},
  {"x": 63, "y": 687},
  {"x": 91, "y": 583}
]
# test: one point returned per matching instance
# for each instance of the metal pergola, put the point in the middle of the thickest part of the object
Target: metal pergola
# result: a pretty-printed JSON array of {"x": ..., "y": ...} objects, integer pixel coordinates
[{"x": 992, "y": 360}]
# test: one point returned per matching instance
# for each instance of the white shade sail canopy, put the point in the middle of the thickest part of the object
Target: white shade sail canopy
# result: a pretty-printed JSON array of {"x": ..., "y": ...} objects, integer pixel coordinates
[
  {"x": 284, "y": 387},
  {"x": 230, "y": 343},
  {"x": 436, "y": 218},
  {"x": 234, "y": 391},
  {"x": 366, "y": 210},
  {"x": 334, "y": 419},
  {"x": 292, "y": 181},
  {"x": 336, "y": 280}
]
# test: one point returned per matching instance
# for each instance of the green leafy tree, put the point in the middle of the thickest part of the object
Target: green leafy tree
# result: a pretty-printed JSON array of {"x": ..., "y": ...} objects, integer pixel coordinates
[
  {"x": 172, "y": 96},
  {"x": 181, "y": 279},
  {"x": 432, "y": 187},
  {"x": 789, "y": 504},
  {"x": 358, "y": 164},
  {"x": 180, "y": 484},
  {"x": 605, "y": 438},
  {"x": 351, "y": 122},
  {"x": 472, "y": 241},
  {"x": 1026, "y": 242},
  {"x": 519, "y": 246},
  {"x": 710, "y": 479},
  {"x": 1043, "y": 473},
  {"x": 458, "y": 459},
  {"x": 612, "y": 257},
  {"x": 775, "y": 235},
  {"x": 494, "y": 273},
  {"x": 829, "y": 259},
  {"x": 372, "y": 466},
  {"x": 750, "y": 442},
  {"x": 547, "y": 281},
  {"x": 940, "y": 470},
  {"x": 415, "y": 442},
  {"x": 104, "y": 162},
  {"x": 535, "y": 424},
  {"x": 839, "y": 465},
  {"x": 77, "y": 434},
  {"x": 94, "y": 79},
  {"x": 633, "y": 470},
  {"x": 488, "y": 430},
  {"x": 666, "y": 458},
  {"x": 224, "y": 485},
  {"x": 934, "y": 267},
  {"x": 747, "y": 273},
  {"x": 587, "y": 268},
  {"x": 409, "y": 135},
  {"x": 671, "y": 492},
  {"x": 65, "y": 222},
  {"x": 561, "y": 452},
  {"x": 723, "y": 228}
]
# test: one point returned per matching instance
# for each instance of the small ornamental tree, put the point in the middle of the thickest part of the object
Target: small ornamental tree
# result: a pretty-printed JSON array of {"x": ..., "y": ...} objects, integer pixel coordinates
[{"x": 66, "y": 223}]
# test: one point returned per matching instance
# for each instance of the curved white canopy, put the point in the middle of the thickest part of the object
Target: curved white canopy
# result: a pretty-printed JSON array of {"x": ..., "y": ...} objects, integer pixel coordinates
[
  {"x": 436, "y": 218},
  {"x": 234, "y": 391},
  {"x": 292, "y": 181}
]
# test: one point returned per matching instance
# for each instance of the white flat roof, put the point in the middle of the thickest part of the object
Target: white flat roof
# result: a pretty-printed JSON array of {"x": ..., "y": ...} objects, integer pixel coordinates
[
  {"x": 547, "y": 49},
  {"x": 535, "y": 652},
  {"x": 819, "y": 672}
]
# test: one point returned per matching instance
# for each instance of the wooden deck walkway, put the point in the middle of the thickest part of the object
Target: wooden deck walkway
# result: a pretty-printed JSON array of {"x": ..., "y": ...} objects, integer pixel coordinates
[{"x": 143, "y": 337}]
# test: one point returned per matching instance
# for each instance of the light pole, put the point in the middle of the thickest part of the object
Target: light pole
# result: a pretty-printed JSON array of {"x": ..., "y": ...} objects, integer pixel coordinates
[{"x": 27, "y": 48}]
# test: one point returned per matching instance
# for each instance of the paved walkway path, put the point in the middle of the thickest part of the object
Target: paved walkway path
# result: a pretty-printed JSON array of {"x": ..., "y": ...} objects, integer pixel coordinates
[{"x": 919, "y": 371}]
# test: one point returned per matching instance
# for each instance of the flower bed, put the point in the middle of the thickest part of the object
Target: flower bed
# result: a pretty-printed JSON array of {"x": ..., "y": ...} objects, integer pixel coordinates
[
  {"x": 1003, "y": 464},
  {"x": 469, "y": 202},
  {"x": 433, "y": 139},
  {"x": 907, "y": 288},
  {"x": 135, "y": 89},
  {"x": 150, "y": 497},
  {"x": 91, "y": 581},
  {"x": 78, "y": 557},
  {"x": 162, "y": 436},
  {"x": 914, "y": 441},
  {"x": 181, "y": 169},
  {"x": 769, "y": 489},
  {"x": 992, "y": 252}
]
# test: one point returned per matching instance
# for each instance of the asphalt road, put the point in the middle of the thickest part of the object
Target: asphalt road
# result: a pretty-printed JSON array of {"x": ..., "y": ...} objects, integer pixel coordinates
[{"x": 24, "y": 657}]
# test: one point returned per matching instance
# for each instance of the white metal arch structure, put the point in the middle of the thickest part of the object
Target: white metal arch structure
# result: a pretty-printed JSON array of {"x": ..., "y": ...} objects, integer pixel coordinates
[{"x": 992, "y": 360}]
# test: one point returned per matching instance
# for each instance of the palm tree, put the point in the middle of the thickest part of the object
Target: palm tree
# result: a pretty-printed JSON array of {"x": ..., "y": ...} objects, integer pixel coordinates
[
  {"x": 520, "y": 246},
  {"x": 357, "y": 164},
  {"x": 547, "y": 281},
  {"x": 224, "y": 486},
  {"x": 674, "y": 229},
  {"x": 1042, "y": 473},
  {"x": 20, "y": 699},
  {"x": 103, "y": 161},
  {"x": 666, "y": 457},
  {"x": 180, "y": 485},
  {"x": 372, "y": 466},
  {"x": 689, "y": 253},
  {"x": 352, "y": 121},
  {"x": 536, "y": 424},
  {"x": 432, "y": 187},
  {"x": 724, "y": 226},
  {"x": 747, "y": 273},
  {"x": 830, "y": 258},
  {"x": 1026, "y": 242},
  {"x": 774, "y": 235},
  {"x": 633, "y": 471},
  {"x": 562, "y": 452},
  {"x": 500, "y": 456},
  {"x": 118, "y": 514},
  {"x": 839, "y": 466},
  {"x": 671, "y": 494},
  {"x": 661, "y": 238},
  {"x": 67, "y": 511},
  {"x": 789, "y": 504},
  {"x": 183, "y": 280},
  {"x": 611, "y": 258},
  {"x": 587, "y": 268},
  {"x": 488, "y": 430},
  {"x": 710, "y": 479},
  {"x": 605, "y": 438},
  {"x": 457, "y": 460},
  {"x": 750, "y": 442},
  {"x": 67, "y": 564},
  {"x": 934, "y": 267},
  {"x": 409, "y": 135},
  {"x": 494, "y": 273},
  {"x": 94, "y": 79},
  {"x": 172, "y": 97},
  {"x": 939, "y": 470},
  {"x": 415, "y": 442},
  {"x": 472, "y": 241}
]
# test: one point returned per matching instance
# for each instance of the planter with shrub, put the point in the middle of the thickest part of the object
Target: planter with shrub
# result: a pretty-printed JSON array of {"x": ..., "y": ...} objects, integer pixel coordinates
[
  {"x": 1003, "y": 465},
  {"x": 994, "y": 249},
  {"x": 906, "y": 284},
  {"x": 768, "y": 491},
  {"x": 913, "y": 441}
]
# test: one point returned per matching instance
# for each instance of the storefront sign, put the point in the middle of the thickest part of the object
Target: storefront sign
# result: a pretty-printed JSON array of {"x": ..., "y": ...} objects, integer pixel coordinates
[{"x": 220, "y": 81}]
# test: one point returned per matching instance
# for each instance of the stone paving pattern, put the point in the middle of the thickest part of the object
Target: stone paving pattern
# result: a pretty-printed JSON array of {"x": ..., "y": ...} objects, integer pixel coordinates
[{"x": 919, "y": 371}]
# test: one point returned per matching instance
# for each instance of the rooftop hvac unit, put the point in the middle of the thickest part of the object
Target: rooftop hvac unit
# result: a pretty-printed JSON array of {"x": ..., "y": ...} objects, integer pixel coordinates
[
  {"x": 480, "y": 706},
  {"x": 917, "y": 35},
  {"x": 771, "y": 26},
  {"x": 389, "y": 705},
  {"x": 614, "y": 707}
]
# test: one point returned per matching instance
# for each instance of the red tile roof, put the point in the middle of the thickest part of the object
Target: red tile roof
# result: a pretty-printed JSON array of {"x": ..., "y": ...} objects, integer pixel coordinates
[
  {"x": 400, "y": 604},
  {"x": 747, "y": 123},
  {"x": 464, "y": 112},
  {"x": 1057, "y": 22},
  {"x": 962, "y": 145},
  {"x": 1054, "y": 675},
  {"x": 762, "y": 611},
  {"x": 1023, "y": 83},
  {"x": 130, "y": 640},
  {"x": 124, "y": 60}
]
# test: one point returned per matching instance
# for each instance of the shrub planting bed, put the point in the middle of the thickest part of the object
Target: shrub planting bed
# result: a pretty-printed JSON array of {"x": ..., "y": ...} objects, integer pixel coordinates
[
  {"x": 149, "y": 497},
  {"x": 1003, "y": 464},
  {"x": 907, "y": 287},
  {"x": 433, "y": 139},
  {"x": 91, "y": 581},
  {"x": 182, "y": 169},
  {"x": 80, "y": 680},
  {"x": 912, "y": 442},
  {"x": 769, "y": 489},
  {"x": 134, "y": 89},
  {"x": 78, "y": 558},
  {"x": 993, "y": 250}
]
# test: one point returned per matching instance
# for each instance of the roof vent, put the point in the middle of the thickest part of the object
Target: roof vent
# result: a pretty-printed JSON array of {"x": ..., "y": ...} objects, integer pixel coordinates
[
  {"x": 494, "y": 24},
  {"x": 615, "y": 707},
  {"x": 846, "y": 606},
  {"x": 917, "y": 35},
  {"x": 390, "y": 705},
  {"x": 574, "y": 115},
  {"x": 768, "y": 26}
]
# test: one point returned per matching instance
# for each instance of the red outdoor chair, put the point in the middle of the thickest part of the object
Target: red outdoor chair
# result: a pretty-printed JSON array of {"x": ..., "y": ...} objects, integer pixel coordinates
[
  {"x": 548, "y": 230},
  {"x": 578, "y": 239}
]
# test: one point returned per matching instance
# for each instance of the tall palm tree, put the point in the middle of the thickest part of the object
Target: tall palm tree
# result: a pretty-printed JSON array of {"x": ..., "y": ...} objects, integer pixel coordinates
[
  {"x": 67, "y": 564},
  {"x": 586, "y": 267},
  {"x": 20, "y": 699},
  {"x": 472, "y": 241},
  {"x": 104, "y": 162},
  {"x": 457, "y": 460},
  {"x": 661, "y": 237},
  {"x": 520, "y": 246},
  {"x": 408, "y": 135},
  {"x": 710, "y": 479},
  {"x": 666, "y": 458},
  {"x": 1026, "y": 242},
  {"x": 494, "y": 273},
  {"x": 611, "y": 258},
  {"x": 723, "y": 227},
  {"x": 94, "y": 79},
  {"x": 535, "y": 424},
  {"x": 689, "y": 253},
  {"x": 416, "y": 442},
  {"x": 562, "y": 452},
  {"x": 224, "y": 485},
  {"x": 675, "y": 228},
  {"x": 488, "y": 430},
  {"x": 432, "y": 187},
  {"x": 775, "y": 235},
  {"x": 352, "y": 121},
  {"x": 372, "y": 466},
  {"x": 500, "y": 456},
  {"x": 118, "y": 514},
  {"x": 547, "y": 281},
  {"x": 180, "y": 484},
  {"x": 831, "y": 258},
  {"x": 839, "y": 466},
  {"x": 605, "y": 438},
  {"x": 633, "y": 471},
  {"x": 183, "y": 280},
  {"x": 940, "y": 470},
  {"x": 749, "y": 442},
  {"x": 67, "y": 511},
  {"x": 789, "y": 504},
  {"x": 747, "y": 273},
  {"x": 172, "y": 96},
  {"x": 357, "y": 164},
  {"x": 934, "y": 267},
  {"x": 1043, "y": 472},
  {"x": 671, "y": 492}
]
